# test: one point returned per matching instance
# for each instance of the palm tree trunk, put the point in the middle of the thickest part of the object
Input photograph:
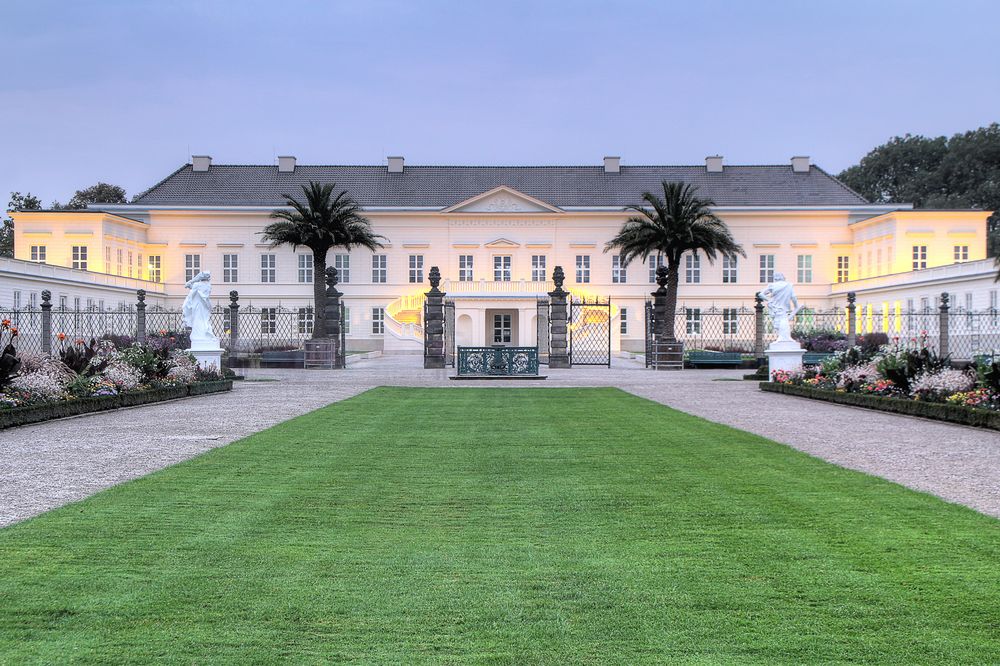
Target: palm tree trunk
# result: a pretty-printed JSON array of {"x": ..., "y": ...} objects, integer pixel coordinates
[
  {"x": 319, "y": 294},
  {"x": 673, "y": 280}
]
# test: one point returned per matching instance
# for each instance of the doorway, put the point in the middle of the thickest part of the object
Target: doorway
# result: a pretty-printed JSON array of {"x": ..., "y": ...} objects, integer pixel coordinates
[{"x": 501, "y": 328}]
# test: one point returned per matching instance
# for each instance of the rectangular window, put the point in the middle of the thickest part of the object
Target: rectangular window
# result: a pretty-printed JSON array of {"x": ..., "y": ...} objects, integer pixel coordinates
[
  {"x": 138, "y": 266},
  {"x": 347, "y": 321},
  {"x": 230, "y": 268},
  {"x": 502, "y": 330},
  {"x": 582, "y": 268},
  {"x": 464, "y": 268},
  {"x": 993, "y": 307},
  {"x": 268, "y": 267},
  {"x": 107, "y": 259},
  {"x": 617, "y": 270},
  {"x": 17, "y": 299},
  {"x": 805, "y": 268},
  {"x": 378, "y": 321},
  {"x": 306, "y": 320},
  {"x": 729, "y": 269},
  {"x": 380, "y": 269},
  {"x": 38, "y": 253},
  {"x": 843, "y": 268},
  {"x": 305, "y": 268},
  {"x": 192, "y": 266},
  {"x": 538, "y": 268},
  {"x": 909, "y": 305},
  {"x": 62, "y": 302},
  {"x": 624, "y": 321},
  {"x": 692, "y": 268},
  {"x": 654, "y": 263},
  {"x": 130, "y": 255},
  {"x": 342, "y": 262},
  {"x": 268, "y": 321},
  {"x": 961, "y": 253},
  {"x": 730, "y": 320},
  {"x": 919, "y": 257},
  {"x": 766, "y": 268},
  {"x": 155, "y": 268},
  {"x": 80, "y": 257},
  {"x": 501, "y": 268},
  {"x": 90, "y": 304},
  {"x": 692, "y": 321},
  {"x": 33, "y": 300},
  {"x": 118, "y": 255},
  {"x": 925, "y": 304},
  {"x": 76, "y": 303},
  {"x": 416, "y": 268}
]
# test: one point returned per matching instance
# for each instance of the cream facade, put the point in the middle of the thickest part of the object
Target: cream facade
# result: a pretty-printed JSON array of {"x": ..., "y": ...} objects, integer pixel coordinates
[{"x": 496, "y": 249}]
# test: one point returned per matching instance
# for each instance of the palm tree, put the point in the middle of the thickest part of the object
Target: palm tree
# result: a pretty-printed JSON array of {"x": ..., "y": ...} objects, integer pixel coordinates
[
  {"x": 323, "y": 222},
  {"x": 670, "y": 226}
]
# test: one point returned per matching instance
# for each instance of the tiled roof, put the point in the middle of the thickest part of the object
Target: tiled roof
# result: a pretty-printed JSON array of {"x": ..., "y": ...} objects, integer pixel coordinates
[{"x": 441, "y": 186}]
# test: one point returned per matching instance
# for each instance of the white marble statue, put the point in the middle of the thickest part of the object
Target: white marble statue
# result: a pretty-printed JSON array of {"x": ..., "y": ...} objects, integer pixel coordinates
[
  {"x": 782, "y": 306},
  {"x": 197, "y": 311}
]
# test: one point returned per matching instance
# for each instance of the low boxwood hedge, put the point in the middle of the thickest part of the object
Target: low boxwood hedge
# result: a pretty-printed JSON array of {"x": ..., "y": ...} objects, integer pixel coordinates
[
  {"x": 939, "y": 411},
  {"x": 37, "y": 413}
]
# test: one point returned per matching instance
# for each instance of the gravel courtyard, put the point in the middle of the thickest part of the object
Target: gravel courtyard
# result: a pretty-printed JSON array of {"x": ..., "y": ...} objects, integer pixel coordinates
[{"x": 47, "y": 465}]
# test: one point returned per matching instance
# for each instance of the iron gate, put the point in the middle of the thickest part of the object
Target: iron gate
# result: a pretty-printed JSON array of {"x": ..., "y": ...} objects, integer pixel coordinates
[
  {"x": 590, "y": 332},
  {"x": 542, "y": 330}
]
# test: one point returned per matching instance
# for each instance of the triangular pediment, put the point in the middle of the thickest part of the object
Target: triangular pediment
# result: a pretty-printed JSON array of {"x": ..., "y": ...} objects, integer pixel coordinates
[
  {"x": 502, "y": 200},
  {"x": 502, "y": 243}
]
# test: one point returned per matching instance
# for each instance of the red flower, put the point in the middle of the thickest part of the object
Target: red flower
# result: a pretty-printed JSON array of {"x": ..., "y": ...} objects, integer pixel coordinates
[
  {"x": 61, "y": 336},
  {"x": 13, "y": 331},
  {"x": 5, "y": 323}
]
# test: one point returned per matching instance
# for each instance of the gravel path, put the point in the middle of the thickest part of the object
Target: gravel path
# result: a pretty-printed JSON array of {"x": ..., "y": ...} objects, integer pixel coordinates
[{"x": 50, "y": 464}]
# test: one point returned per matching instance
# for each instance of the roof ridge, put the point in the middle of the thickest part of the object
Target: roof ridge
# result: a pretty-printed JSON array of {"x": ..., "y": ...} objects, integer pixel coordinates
[{"x": 502, "y": 166}]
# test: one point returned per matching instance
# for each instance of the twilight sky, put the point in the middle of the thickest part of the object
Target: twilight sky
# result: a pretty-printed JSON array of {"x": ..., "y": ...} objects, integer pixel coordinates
[{"x": 126, "y": 90}]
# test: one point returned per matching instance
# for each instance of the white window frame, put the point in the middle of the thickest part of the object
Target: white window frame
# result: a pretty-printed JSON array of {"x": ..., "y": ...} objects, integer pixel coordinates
[
  {"x": 843, "y": 268},
  {"x": 502, "y": 267},
  {"x": 416, "y": 263},
  {"x": 268, "y": 268},
  {"x": 380, "y": 269},
  {"x": 692, "y": 321},
  {"x": 503, "y": 328},
  {"x": 538, "y": 262},
  {"x": 623, "y": 328},
  {"x": 38, "y": 253},
  {"x": 192, "y": 266},
  {"x": 804, "y": 268},
  {"x": 655, "y": 261},
  {"x": 465, "y": 268},
  {"x": 583, "y": 269},
  {"x": 342, "y": 262},
  {"x": 79, "y": 257},
  {"x": 919, "y": 257},
  {"x": 230, "y": 267},
  {"x": 378, "y": 321},
  {"x": 306, "y": 320},
  {"x": 730, "y": 321},
  {"x": 961, "y": 253},
  {"x": 730, "y": 268},
  {"x": 766, "y": 263},
  {"x": 305, "y": 268},
  {"x": 268, "y": 321},
  {"x": 692, "y": 268},
  {"x": 618, "y": 272}
]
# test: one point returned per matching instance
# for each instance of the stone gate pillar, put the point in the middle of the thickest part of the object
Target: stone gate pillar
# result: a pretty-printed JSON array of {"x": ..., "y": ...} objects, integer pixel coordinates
[
  {"x": 234, "y": 321},
  {"x": 558, "y": 320},
  {"x": 140, "y": 316},
  {"x": 434, "y": 322},
  {"x": 852, "y": 319},
  {"x": 944, "y": 322},
  {"x": 332, "y": 323},
  {"x": 47, "y": 322}
]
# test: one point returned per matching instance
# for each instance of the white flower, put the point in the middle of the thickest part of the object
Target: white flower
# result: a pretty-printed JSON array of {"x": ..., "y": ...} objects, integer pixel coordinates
[
  {"x": 943, "y": 382},
  {"x": 124, "y": 376},
  {"x": 39, "y": 384}
]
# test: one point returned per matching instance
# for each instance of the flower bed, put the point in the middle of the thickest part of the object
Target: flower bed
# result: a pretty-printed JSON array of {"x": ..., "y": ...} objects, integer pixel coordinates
[
  {"x": 953, "y": 413},
  {"x": 902, "y": 378},
  {"x": 85, "y": 377},
  {"x": 36, "y": 413}
]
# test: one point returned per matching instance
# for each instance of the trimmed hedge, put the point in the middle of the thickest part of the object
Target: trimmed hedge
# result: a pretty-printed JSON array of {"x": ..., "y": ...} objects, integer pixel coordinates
[
  {"x": 939, "y": 411},
  {"x": 18, "y": 416}
]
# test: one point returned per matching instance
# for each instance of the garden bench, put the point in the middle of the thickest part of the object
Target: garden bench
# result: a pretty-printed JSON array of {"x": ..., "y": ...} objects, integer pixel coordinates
[
  {"x": 293, "y": 358},
  {"x": 815, "y": 358},
  {"x": 702, "y": 358}
]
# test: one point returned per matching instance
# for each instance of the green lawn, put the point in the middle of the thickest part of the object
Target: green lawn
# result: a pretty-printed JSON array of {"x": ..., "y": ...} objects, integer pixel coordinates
[{"x": 502, "y": 526}]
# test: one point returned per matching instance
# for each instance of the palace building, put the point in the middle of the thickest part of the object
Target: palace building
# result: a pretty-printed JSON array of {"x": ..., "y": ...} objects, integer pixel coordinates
[{"x": 496, "y": 233}]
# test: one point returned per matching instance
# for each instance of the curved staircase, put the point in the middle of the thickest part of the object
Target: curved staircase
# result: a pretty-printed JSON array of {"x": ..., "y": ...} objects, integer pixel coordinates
[{"x": 404, "y": 325}]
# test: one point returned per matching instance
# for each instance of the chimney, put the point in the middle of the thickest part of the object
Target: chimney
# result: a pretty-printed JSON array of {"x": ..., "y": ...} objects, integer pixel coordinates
[
  {"x": 286, "y": 163},
  {"x": 201, "y": 162},
  {"x": 612, "y": 164},
  {"x": 800, "y": 164},
  {"x": 713, "y": 163},
  {"x": 395, "y": 164}
]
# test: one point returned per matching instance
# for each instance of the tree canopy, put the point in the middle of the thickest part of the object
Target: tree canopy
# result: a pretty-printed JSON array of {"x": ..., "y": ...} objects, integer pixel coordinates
[
  {"x": 962, "y": 171},
  {"x": 105, "y": 193},
  {"x": 18, "y": 201}
]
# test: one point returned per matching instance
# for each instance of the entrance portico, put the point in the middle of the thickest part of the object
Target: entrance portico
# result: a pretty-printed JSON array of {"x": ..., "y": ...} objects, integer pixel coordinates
[{"x": 507, "y": 322}]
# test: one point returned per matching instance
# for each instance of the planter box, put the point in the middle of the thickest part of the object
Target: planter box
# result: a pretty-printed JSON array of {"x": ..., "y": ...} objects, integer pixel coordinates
[
  {"x": 970, "y": 416},
  {"x": 18, "y": 416}
]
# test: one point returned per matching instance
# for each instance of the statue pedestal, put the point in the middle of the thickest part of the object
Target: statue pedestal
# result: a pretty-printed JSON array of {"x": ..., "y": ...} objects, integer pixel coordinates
[
  {"x": 783, "y": 355},
  {"x": 208, "y": 354}
]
